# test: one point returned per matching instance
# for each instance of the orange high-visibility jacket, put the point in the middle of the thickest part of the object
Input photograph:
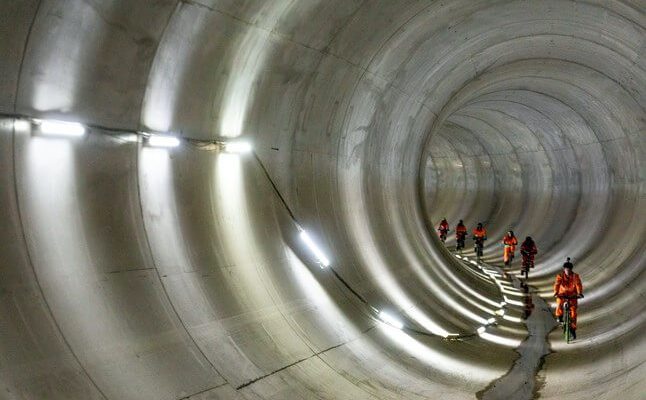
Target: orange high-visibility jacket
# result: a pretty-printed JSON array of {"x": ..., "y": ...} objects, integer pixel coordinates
[
  {"x": 510, "y": 241},
  {"x": 444, "y": 226},
  {"x": 461, "y": 229},
  {"x": 479, "y": 232},
  {"x": 568, "y": 285}
]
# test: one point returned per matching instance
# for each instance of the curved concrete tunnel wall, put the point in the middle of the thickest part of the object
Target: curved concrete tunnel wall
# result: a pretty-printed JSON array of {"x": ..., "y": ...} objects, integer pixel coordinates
[{"x": 132, "y": 272}]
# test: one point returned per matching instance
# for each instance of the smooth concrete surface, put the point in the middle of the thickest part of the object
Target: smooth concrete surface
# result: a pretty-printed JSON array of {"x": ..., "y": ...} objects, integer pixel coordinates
[{"x": 129, "y": 272}]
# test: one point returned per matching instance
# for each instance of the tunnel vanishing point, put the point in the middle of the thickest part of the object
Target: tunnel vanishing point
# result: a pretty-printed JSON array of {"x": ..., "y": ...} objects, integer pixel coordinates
[{"x": 131, "y": 271}]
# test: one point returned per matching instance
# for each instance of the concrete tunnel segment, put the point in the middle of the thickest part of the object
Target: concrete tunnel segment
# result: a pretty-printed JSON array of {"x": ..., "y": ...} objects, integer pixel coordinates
[{"x": 128, "y": 272}]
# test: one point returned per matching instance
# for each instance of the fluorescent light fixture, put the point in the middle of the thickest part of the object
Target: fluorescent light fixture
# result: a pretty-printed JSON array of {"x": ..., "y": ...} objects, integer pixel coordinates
[
  {"x": 481, "y": 330},
  {"x": 390, "y": 320},
  {"x": 163, "y": 141},
  {"x": 501, "y": 312},
  {"x": 128, "y": 137},
  {"x": 473, "y": 262},
  {"x": 237, "y": 146},
  {"x": 61, "y": 128},
  {"x": 314, "y": 248},
  {"x": 491, "y": 321},
  {"x": 21, "y": 124}
]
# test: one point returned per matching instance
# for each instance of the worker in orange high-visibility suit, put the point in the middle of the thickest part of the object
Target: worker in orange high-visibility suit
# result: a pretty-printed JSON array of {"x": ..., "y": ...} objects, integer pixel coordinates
[
  {"x": 444, "y": 227},
  {"x": 460, "y": 231},
  {"x": 510, "y": 242},
  {"x": 479, "y": 232},
  {"x": 568, "y": 284},
  {"x": 479, "y": 236},
  {"x": 460, "y": 235}
]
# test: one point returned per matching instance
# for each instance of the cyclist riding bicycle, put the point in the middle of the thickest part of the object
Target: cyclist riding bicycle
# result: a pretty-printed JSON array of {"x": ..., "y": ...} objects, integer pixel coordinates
[
  {"x": 568, "y": 287},
  {"x": 509, "y": 242},
  {"x": 460, "y": 235},
  {"x": 479, "y": 235},
  {"x": 443, "y": 229},
  {"x": 528, "y": 250}
]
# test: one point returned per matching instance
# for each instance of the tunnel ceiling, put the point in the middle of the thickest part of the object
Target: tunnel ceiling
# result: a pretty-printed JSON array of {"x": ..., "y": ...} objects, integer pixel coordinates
[{"x": 130, "y": 272}]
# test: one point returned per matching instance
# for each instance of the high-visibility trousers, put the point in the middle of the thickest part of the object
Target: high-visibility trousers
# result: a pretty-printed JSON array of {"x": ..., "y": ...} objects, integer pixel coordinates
[
  {"x": 508, "y": 253},
  {"x": 559, "y": 310}
]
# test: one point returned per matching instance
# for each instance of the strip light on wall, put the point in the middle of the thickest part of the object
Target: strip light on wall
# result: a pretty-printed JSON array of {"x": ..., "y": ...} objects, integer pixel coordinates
[
  {"x": 315, "y": 249},
  {"x": 163, "y": 141},
  {"x": 21, "y": 125},
  {"x": 60, "y": 128},
  {"x": 237, "y": 146}
]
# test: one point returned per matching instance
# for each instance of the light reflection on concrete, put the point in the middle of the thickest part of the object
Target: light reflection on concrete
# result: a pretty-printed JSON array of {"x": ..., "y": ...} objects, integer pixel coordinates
[
  {"x": 436, "y": 359},
  {"x": 247, "y": 62}
]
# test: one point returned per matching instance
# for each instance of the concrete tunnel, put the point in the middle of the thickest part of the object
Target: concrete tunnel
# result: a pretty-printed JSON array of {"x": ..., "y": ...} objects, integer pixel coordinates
[{"x": 129, "y": 271}]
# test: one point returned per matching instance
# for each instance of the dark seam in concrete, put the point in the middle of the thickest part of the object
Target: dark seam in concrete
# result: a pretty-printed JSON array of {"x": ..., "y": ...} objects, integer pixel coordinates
[
  {"x": 130, "y": 270},
  {"x": 151, "y": 64},
  {"x": 244, "y": 385},
  {"x": 203, "y": 391},
  {"x": 154, "y": 266},
  {"x": 22, "y": 58}
]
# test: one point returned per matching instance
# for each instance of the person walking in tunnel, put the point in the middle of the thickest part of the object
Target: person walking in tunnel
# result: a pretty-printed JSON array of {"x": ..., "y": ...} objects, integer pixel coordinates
[
  {"x": 528, "y": 251},
  {"x": 568, "y": 286},
  {"x": 479, "y": 236},
  {"x": 443, "y": 229},
  {"x": 460, "y": 235},
  {"x": 509, "y": 242}
]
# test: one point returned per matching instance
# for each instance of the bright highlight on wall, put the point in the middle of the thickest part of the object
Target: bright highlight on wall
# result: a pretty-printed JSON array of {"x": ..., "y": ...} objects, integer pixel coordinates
[
  {"x": 237, "y": 146},
  {"x": 325, "y": 262},
  {"x": 60, "y": 128},
  {"x": 163, "y": 141},
  {"x": 21, "y": 125},
  {"x": 390, "y": 320}
]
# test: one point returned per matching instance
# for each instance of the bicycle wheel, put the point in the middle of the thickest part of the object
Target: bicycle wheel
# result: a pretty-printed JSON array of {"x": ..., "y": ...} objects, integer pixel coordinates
[{"x": 566, "y": 324}]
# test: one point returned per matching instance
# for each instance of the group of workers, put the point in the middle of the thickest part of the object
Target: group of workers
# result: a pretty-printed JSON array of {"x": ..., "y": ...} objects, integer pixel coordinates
[
  {"x": 528, "y": 248},
  {"x": 567, "y": 285}
]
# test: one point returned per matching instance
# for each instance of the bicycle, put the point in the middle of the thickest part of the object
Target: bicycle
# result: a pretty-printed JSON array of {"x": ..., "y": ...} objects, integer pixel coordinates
[
  {"x": 460, "y": 237},
  {"x": 478, "y": 246},
  {"x": 528, "y": 262},
  {"x": 443, "y": 233},
  {"x": 510, "y": 260},
  {"x": 567, "y": 328}
]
